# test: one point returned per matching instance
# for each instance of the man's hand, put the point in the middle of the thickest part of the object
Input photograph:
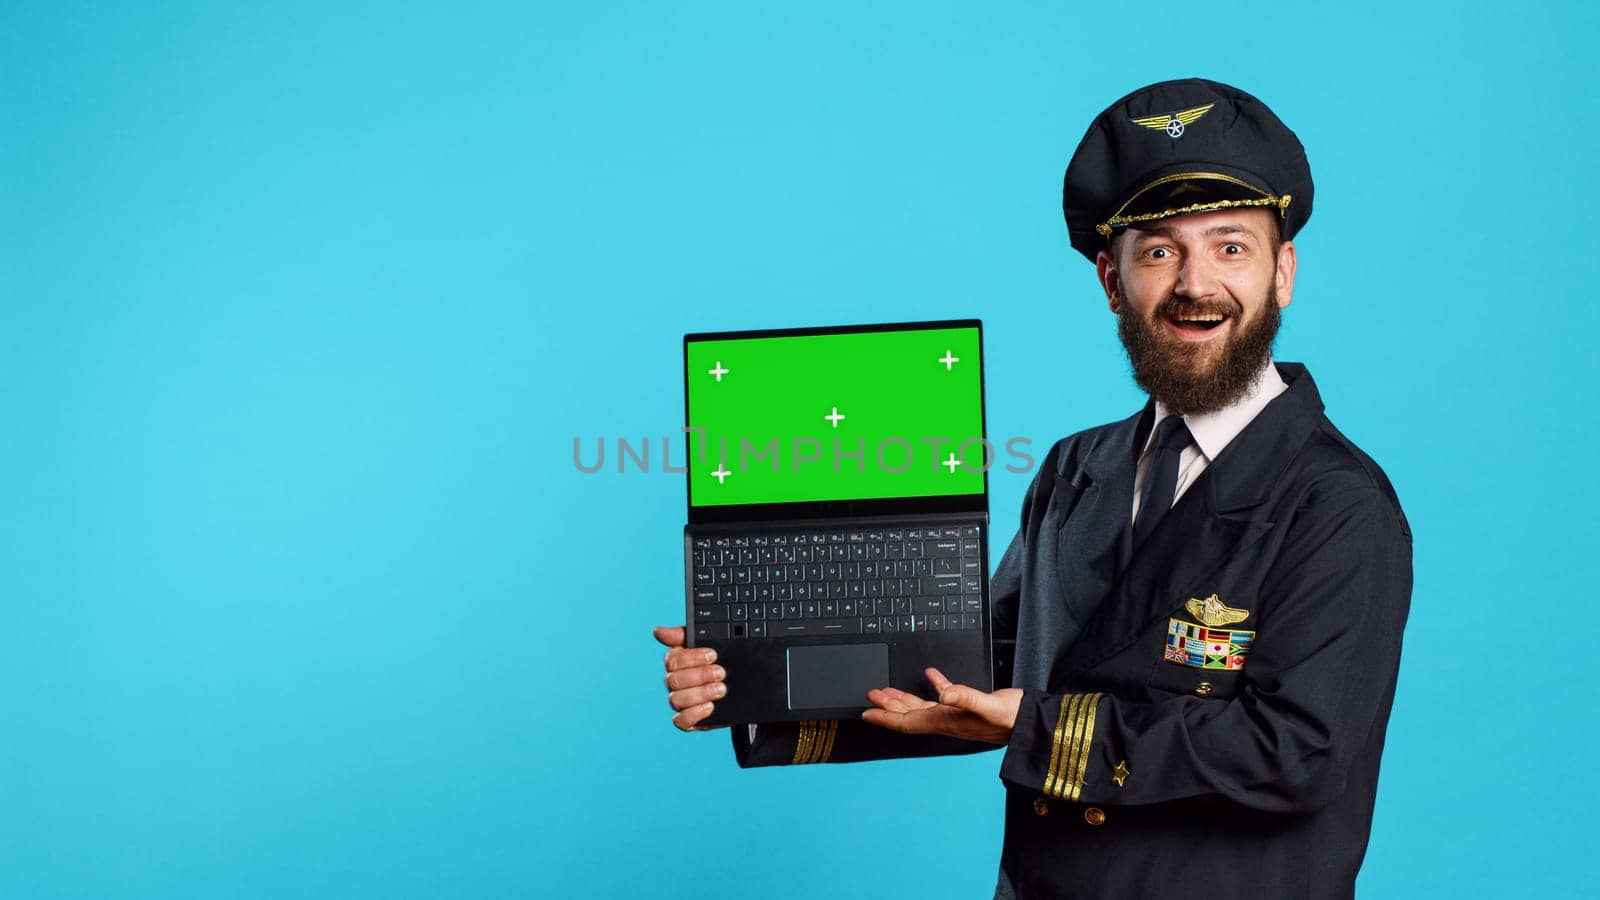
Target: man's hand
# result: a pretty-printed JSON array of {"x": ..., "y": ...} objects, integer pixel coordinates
[
  {"x": 693, "y": 682},
  {"x": 960, "y": 712}
]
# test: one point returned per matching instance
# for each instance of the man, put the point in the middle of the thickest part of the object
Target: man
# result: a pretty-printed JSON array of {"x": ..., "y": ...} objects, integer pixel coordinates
[{"x": 1200, "y": 617}]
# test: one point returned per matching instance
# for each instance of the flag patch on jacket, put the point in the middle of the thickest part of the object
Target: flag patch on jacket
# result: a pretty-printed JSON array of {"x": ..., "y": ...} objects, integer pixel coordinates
[{"x": 1194, "y": 645}]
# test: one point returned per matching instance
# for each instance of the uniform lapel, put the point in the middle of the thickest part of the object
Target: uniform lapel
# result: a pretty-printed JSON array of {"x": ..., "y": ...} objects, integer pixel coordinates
[
  {"x": 1216, "y": 519},
  {"x": 1091, "y": 533}
]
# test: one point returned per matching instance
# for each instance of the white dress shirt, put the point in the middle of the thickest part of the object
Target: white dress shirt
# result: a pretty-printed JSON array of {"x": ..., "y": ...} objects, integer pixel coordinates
[{"x": 1211, "y": 432}]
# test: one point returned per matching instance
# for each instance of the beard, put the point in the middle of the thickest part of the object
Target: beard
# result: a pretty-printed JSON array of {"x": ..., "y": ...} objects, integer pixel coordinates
[{"x": 1192, "y": 378}]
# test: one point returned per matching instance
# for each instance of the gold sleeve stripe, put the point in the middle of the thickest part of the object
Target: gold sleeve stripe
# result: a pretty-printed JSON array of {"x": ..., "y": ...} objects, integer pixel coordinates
[
  {"x": 1082, "y": 766},
  {"x": 1070, "y": 704},
  {"x": 1055, "y": 747},
  {"x": 827, "y": 747},
  {"x": 1069, "y": 755},
  {"x": 1069, "y": 759},
  {"x": 802, "y": 747},
  {"x": 815, "y": 742}
]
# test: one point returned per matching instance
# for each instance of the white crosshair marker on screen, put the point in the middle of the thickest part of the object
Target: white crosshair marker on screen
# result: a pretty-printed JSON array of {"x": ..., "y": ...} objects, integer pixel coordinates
[
  {"x": 952, "y": 462},
  {"x": 719, "y": 371},
  {"x": 949, "y": 359},
  {"x": 721, "y": 474},
  {"x": 835, "y": 417}
]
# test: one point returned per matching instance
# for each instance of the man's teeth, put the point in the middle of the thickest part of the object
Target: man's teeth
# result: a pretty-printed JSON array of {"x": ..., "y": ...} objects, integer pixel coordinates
[{"x": 1200, "y": 317}]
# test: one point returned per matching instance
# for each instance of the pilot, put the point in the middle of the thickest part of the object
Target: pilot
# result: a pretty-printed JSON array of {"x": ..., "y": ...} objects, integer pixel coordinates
[{"x": 1198, "y": 623}]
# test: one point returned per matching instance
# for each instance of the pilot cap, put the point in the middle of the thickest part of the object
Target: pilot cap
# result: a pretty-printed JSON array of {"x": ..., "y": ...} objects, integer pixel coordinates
[{"x": 1182, "y": 147}]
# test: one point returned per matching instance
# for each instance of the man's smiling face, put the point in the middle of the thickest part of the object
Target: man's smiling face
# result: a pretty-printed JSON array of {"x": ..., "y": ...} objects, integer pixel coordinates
[{"x": 1197, "y": 300}]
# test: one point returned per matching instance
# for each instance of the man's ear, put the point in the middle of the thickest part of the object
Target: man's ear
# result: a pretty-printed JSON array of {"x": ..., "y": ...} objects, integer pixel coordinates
[
  {"x": 1283, "y": 278},
  {"x": 1105, "y": 268}
]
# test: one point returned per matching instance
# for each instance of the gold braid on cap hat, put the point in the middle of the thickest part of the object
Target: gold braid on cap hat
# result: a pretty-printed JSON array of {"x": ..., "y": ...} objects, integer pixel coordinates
[{"x": 1118, "y": 220}]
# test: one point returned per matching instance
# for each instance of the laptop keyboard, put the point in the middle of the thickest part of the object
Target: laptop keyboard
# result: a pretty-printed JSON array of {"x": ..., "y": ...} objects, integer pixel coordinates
[{"x": 789, "y": 583}]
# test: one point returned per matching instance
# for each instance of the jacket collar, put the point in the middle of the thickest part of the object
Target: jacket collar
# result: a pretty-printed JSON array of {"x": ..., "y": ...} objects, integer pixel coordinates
[
  {"x": 1246, "y": 470},
  {"x": 1243, "y": 472}
]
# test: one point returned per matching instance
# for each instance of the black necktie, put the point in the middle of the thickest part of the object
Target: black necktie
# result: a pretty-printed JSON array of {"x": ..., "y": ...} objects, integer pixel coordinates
[{"x": 1162, "y": 477}]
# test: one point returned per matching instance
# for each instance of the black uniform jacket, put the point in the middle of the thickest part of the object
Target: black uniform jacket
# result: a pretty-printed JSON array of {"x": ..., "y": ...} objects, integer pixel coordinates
[{"x": 1203, "y": 714}]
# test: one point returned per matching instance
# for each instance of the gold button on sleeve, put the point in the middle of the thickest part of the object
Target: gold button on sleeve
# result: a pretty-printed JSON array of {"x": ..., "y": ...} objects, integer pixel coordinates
[
  {"x": 1094, "y": 815},
  {"x": 1041, "y": 806}
]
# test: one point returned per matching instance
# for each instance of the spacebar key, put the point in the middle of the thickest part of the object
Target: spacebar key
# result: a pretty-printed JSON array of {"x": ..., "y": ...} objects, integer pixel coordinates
[{"x": 790, "y": 627}]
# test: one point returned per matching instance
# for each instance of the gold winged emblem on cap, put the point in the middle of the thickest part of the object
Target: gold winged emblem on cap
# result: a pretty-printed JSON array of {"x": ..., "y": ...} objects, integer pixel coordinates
[
  {"x": 1213, "y": 612},
  {"x": 1174, "y": 123}
]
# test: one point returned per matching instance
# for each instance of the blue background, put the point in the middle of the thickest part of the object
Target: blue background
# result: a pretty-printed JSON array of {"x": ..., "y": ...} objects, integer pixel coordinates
[{"x": 302, "y": 305}]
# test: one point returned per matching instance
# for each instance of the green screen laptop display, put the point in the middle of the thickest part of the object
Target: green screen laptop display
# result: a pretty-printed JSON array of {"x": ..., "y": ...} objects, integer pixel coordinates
[{"x": 854, "y": 416}]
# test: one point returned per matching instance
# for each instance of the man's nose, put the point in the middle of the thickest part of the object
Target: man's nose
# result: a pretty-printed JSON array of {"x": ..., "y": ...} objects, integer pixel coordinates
[{"x": 1197, "y": 277}]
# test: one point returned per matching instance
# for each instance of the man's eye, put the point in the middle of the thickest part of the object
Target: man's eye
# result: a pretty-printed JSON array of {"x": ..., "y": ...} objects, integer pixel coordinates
[
  {"x": 1158, "y": 253},
  {"x": 1232, "y": 249}
]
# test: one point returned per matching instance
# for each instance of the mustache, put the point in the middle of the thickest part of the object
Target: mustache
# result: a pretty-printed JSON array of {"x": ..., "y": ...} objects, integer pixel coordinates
[{"x": 1178, "y": 305}]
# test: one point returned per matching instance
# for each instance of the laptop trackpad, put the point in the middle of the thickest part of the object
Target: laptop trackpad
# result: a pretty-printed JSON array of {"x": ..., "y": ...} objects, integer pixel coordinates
[{"x": 834, "y": 675}]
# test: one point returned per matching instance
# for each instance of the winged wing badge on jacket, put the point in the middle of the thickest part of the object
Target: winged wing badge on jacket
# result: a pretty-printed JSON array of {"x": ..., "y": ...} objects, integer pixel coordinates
[{"x": 1213, "y": 612}]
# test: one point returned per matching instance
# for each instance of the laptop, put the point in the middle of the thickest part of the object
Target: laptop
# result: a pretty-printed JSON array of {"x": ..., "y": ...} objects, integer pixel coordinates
[{"x": 838, "y": 527}]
